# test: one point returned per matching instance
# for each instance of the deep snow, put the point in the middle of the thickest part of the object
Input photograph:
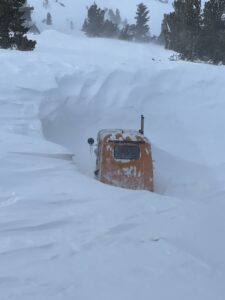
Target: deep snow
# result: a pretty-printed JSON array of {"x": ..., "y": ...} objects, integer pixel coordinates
[{"x": 63, "y": 234}]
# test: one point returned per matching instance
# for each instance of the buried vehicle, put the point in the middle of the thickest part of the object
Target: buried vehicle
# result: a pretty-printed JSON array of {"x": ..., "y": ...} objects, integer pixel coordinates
[{"x": 124, "y": 158}]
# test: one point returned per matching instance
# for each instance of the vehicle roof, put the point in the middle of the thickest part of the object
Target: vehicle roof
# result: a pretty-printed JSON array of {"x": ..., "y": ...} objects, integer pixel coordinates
[{"x": 121, "y": 135}]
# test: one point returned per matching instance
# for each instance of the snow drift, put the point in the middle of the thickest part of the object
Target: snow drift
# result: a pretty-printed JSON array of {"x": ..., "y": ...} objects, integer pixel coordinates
[{"x": 66, "y": 236}]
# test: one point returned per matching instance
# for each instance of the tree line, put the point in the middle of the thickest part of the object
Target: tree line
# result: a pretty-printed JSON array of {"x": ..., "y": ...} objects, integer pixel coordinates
[
  {"x": 107, "y": 23},
  {"x": 194, "y": 32},
  {"x": 98, "y": 23}
]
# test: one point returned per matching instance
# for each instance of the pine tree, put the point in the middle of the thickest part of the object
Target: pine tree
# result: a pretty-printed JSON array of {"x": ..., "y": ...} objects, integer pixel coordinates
[
  {"x": 164, "y": 37},
  {"x": 181, "y": 29},
  {"x": 5, "y": 15},
  {"x": 114, "y": 17},
  {"x": 195, "y": 34},
  {"x": 174, "y": 27},
  {"x": 12, "y": 26},
  {"x": 127, "y": 33},
  {"x": 111, "y": 15},
  {"x": 109, "y": 29},
  {"x": 142, "y": 28},
  {"x": 94, "y": 23},
  {"x": 212, "y": 43},
  {"x": 118, "y": 17},
  {"x": 193, "y": 29}
]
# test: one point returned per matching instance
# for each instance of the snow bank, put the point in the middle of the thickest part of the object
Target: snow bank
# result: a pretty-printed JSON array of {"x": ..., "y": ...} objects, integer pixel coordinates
[{"x": 65, "y": 235}]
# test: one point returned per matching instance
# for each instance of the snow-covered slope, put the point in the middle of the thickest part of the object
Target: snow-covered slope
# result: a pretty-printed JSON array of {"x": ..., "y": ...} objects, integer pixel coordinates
[
  {"x": 65, "y": 11},
  {"x": 66, "y": 236}
]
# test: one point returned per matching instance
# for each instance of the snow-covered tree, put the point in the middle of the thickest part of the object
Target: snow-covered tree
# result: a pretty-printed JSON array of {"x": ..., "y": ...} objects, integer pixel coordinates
[
  {"x": 28, "y": 22},
  {"x": 127, "y": 32},
  {"x": 94, "y": 23},
  {"x": 109, "y": 29},
  {"x": 212, "y": 44},
  {"x": 164, "y": 37},
  {"x": 12, "y": 26},
  {"x": 181, "y": 29},
  {"x": 193, "y": 29},
  {"x": 5, "y": 11},
  {"x": 114, "y": 16},
  {"x": 142, "y": 30}
]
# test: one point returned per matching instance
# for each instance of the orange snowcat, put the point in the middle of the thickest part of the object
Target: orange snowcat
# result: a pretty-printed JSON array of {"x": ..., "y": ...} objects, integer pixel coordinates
[{"x": 124, "y": 158}]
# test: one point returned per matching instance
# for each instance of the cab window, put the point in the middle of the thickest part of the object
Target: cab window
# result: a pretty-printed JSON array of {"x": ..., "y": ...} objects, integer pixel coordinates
[{"x": 126, "y": 152}]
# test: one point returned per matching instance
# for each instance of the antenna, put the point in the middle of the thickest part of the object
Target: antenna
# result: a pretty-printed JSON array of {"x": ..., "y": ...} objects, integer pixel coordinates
[{"x": 142, "y": 125}]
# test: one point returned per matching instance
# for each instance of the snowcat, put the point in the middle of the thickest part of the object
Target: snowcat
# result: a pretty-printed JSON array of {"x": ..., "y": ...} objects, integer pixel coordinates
[{"x": 123, "y": 158}]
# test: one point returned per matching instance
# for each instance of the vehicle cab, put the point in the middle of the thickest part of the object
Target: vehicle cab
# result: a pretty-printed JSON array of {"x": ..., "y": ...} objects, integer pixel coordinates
[{"x": 123, "y": 159}]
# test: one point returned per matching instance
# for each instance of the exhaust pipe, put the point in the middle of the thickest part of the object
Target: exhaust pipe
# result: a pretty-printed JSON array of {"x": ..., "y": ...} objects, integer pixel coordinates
[{"x": 142, "y": 125}]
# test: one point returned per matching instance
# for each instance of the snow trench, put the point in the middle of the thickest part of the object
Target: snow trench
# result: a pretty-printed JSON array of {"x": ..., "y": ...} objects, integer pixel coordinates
[
  {"x": 85, "y": 102},
  {"x": 64, "y": 235}
]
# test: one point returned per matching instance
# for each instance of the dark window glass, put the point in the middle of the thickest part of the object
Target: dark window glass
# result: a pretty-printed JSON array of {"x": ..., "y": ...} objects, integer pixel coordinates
[{"x": 126, "y": 152}]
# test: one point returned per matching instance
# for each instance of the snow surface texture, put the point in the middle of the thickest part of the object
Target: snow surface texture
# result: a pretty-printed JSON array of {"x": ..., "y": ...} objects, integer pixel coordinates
[{"x": 63, "y": 234}]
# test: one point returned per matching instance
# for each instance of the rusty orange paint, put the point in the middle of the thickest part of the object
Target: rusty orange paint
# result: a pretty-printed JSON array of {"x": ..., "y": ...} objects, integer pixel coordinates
[{"x": 127, "y": 173}]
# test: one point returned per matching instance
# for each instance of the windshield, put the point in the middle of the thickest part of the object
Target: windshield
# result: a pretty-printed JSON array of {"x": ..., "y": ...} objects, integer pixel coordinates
[{"x": 126, "y": 152}]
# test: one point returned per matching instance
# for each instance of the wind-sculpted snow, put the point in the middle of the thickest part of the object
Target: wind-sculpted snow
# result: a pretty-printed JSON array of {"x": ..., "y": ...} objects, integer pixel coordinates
[{"x": 64, "y": 235}]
